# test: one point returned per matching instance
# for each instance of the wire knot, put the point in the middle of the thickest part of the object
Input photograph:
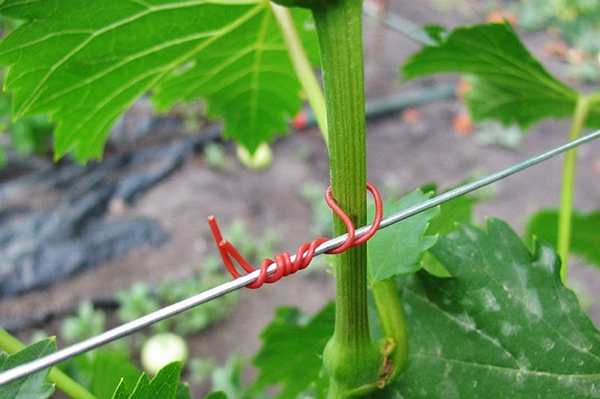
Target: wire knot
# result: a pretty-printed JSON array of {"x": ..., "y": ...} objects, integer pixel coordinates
[{"x": 306, "y": 251}]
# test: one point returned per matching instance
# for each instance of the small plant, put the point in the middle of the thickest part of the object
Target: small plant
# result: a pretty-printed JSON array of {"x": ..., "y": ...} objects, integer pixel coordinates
[
  {"x": 87, "y": 323},
  {"x": 138, "y": 300},
  {"x": 488, "y": 316},
  {"x": 215, "y": 156},
  {"x": 171, "y": 291},
  {"x": 142, "y": 299},
  {"x": 26, "y": 136}
]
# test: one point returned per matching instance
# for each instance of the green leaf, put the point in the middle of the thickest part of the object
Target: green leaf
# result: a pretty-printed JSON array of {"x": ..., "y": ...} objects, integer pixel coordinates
[
  {"x": 503, "y": 327},
  {"x": 459, "y": 210},
  {"x": 121, "y": 392},
  {"x": 183, "y": 391},
  {"x": 292, "y": 349},
  {"x": 85, "y": 72},
  {"x": 585, "y": 232},
  {"x": 33, "y": 386},
  {"x": 216, "y": 395},
  {"x": 163, "y": 386},
  {"x": 228, "y": 379},
  {"x": 108, "y": 369},
  {"x": 397, "y": 249},
  {"x": 508, "y": 83}
]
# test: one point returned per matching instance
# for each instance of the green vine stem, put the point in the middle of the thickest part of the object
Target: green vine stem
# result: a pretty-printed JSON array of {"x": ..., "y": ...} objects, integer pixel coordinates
[
  {"x": 11, "y": 345},
  {"x": 351, "y": 357},
  {"x": 568, "y": 183},
  {"x": 303, "y": 69}
]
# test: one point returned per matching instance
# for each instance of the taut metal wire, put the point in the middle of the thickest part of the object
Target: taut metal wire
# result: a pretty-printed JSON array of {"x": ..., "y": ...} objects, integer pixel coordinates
[{"x": 216, "y": 292}]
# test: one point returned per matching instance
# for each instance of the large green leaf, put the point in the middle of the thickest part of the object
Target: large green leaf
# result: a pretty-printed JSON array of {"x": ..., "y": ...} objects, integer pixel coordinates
[
  {"x": 33, "y": 386},
  {"x": 292, "y": 349},
  {"x": 508, "y": 83},
  {"x": 459, "y": 210},
  {"x": 163, "y": 386},
  {"x": 397, "y": 249},
  {"x": 85, "y": 62},
  {"x": 585, "y": 232},
  {"x": 503, "y": 327}
]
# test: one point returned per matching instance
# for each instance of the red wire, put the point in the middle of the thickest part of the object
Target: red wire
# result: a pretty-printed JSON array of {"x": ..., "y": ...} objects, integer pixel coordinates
[{"x": 305, "y": 252}]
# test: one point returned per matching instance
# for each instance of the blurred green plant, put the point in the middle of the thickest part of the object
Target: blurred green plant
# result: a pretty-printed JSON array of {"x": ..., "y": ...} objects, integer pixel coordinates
[
  {"x": 228, "y": 379},
  {"x": 86, "y": 323},
  {"x": 215, "y": 156},
  {"x": 29, "y": 135},
  {"x": 171, "y": 291},
  {"x": 200, "y": 369},
  {"x": 575, "y": 21}
]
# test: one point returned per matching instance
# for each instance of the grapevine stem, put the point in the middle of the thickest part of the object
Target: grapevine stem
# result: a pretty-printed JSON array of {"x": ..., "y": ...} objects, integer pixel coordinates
[
  {"x": 72, "y": 388},
  {"x": 351, "y": 357},
  {"x": 568, "y": 184}
]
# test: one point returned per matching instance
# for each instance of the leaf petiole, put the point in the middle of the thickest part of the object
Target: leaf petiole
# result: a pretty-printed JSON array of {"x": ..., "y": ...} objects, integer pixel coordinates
[
  {"x": 582, "y": 109},
  {"x": 303, "y": 69}
]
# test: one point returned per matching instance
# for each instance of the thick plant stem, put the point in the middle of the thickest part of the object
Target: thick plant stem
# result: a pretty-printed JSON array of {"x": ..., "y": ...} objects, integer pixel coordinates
[
  {"x": 303, "y": 69},
  {"x": 63, "y": 382},
  {"x": 568, "y": 184},
  {"x": 351, "y": 358}
]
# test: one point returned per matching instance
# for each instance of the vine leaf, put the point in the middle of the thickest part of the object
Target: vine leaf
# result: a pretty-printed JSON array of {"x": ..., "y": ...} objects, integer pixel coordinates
[
  {"x": 33, "y": 386},
  {"x": 585, "y": 232},
  {"x": 508, "y": 83},
  {"x": 504, "y": 326},
  {"x": 183, "y": 391},
  {"x": 397, "y": 249},
  {"x": 292, "y": 349},
  {"x": 459, "y": 210},
  {"x": 85, "y": 72},
  {"x": 107, "y": 369},
  {"x": 163, "y": 386}
]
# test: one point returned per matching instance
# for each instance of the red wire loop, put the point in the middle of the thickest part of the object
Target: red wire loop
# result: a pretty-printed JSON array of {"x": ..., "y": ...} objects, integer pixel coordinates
[{"x": 305, "y": 252}]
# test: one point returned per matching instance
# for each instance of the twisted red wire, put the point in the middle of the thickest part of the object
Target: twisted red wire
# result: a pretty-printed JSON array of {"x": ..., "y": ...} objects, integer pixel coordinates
[{"x": 305, "y": 252}]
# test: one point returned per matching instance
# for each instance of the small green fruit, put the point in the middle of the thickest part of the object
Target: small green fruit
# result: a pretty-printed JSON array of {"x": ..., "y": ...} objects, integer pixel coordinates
[
  {"x": 262, "y": 157},
  {"x": 162, "y": 349}
]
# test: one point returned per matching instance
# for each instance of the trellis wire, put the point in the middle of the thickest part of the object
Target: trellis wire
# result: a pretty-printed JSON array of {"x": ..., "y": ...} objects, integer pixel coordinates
[{"x": 216, "y": 292}]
